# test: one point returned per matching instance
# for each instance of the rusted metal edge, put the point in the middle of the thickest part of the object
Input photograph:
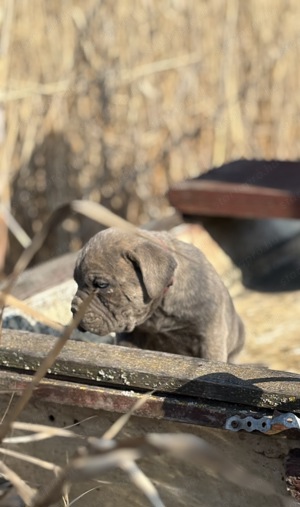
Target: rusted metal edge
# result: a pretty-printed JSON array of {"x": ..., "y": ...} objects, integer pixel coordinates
[
  {"x": 292, "y": 473},
  {"x": 113, "y": 366},
  {"x": 212, "y": 198},
  {"x": 169, "y": 407}
]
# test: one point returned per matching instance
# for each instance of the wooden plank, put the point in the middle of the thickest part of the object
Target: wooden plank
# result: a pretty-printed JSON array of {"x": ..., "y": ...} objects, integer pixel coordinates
[
  {"x": 108, "y": 365},
  {"x": 242, "y": 189},
  {"x": 204, "y": 198}
]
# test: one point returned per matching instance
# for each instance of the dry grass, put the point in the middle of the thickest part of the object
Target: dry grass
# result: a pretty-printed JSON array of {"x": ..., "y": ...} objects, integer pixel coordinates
[
  {"x": 113, "y": 103},
  {"x": 98, "y": 456}
]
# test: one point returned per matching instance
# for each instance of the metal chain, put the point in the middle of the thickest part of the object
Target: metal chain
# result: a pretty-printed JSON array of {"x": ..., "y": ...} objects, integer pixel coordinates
[{"x": 265, "y": 424}]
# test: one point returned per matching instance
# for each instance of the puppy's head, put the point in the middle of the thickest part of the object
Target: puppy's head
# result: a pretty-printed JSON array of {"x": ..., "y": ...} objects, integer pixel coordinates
[{"x": 128, "y": 272}]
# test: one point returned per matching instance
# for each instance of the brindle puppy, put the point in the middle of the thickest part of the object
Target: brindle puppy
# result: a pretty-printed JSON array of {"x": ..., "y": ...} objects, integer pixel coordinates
[{"x": 157, "y": 293}]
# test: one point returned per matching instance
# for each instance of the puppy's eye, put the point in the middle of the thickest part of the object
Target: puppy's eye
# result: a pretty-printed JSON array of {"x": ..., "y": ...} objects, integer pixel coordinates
[{"x": 100, "y": 285}]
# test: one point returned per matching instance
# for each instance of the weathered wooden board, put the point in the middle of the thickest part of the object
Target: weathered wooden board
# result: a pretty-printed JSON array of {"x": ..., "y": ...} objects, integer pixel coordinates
[
  {"x": 108, "y": 365},
  {"x": 244, "y": 189}
]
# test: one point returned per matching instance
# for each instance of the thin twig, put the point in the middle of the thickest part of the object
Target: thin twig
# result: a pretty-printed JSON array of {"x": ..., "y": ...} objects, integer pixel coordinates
[
  {"x": 15, "y": 227},
  {"x": 35, "y": 89},
  {"x": 30, "y": 459},
  {"x": 118, "y": 425},
  {"x": 7, "y": 408},
  {"x": 10, "y": 300},
  {"x": 82, "y": 495},
  {"x": 22, "y": 488},
  {"x": 143, "y": 483},
  {"x": 128, "y": 76}
]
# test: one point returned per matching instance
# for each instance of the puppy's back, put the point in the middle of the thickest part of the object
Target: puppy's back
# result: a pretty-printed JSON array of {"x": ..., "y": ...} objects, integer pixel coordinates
[{"x": 207, "y": 291}]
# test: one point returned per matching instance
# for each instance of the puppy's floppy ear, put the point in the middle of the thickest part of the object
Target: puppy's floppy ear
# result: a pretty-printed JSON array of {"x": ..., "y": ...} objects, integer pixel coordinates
[{"x": 156, "y": 264}]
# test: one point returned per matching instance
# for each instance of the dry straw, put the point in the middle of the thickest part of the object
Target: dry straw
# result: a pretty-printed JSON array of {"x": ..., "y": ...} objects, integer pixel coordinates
[{"x": 115, "y": 103}]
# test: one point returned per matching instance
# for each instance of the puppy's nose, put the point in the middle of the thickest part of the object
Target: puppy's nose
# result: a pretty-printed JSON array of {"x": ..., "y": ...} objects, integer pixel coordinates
[
  {"x": 74, "y": 304},
  {"x": 73, "y": 309}
]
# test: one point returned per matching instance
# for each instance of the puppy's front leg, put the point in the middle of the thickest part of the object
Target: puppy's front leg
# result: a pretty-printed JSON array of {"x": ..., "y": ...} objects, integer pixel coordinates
[
  {"x": 215, "y": 351},
  {"x": 214, "y": 345}
]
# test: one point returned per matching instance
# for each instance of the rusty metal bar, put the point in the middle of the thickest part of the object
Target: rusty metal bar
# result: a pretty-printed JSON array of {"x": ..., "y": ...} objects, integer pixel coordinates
[{"x": 182, "y": 409}]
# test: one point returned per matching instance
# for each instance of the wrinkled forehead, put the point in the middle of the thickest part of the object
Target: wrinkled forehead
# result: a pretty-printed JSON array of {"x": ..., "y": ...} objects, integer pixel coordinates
[
  {"x": 102, "y": 252},
  {"x": 110, "y": 241}
]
